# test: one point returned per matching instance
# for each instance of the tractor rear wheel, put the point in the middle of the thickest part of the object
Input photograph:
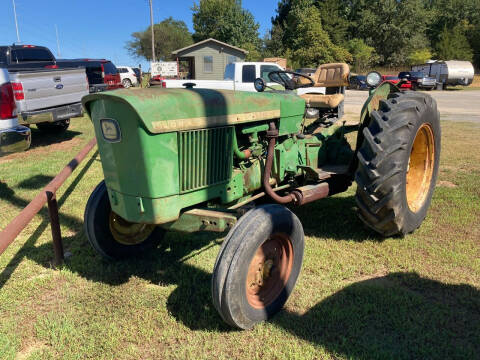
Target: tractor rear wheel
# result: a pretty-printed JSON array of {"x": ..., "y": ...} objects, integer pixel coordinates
[
  {"x": 258, "y": 266},
  {"x": 398, "y": 163},
  {"x": 112, "y": 236}
]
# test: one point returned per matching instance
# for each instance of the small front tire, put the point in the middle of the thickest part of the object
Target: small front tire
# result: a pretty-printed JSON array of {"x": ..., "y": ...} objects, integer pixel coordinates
[
  {"x": 126, "y": 83},
  {"x": 113, "y": 237},
  {"x": 258, "y": 266}
]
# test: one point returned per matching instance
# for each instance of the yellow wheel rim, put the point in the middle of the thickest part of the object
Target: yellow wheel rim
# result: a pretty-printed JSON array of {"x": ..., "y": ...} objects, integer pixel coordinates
[
  {"x": 128, "y": 233},
  {"x": 420, "y": 168}
]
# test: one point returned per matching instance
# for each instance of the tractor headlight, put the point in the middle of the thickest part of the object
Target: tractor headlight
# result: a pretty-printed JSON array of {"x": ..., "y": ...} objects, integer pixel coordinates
[
  {"x": 374, "y": 79},
  {"x": 110, "y": 130}
]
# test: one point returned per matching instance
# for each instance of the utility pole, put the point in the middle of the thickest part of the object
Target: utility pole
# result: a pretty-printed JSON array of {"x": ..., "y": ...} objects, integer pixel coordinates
[
  {"x": 153, "y": 35},
  {"x": 16, "y": 23},
  {"x": 58, "y": 43}
]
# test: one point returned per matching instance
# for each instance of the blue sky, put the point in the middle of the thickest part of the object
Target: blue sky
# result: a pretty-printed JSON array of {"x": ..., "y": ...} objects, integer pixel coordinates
[{"x": 99, "y": 29}]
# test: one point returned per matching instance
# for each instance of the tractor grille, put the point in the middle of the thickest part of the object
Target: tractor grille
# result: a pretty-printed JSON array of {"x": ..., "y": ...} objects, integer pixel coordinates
[{"x": 205, "y": 157}]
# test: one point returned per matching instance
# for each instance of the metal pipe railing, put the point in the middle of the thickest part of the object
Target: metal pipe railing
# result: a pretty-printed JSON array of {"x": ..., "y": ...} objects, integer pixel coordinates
[{"x": 46, "y": 196}]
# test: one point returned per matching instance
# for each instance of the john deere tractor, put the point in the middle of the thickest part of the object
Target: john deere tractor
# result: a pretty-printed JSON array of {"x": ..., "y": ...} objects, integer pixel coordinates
[{"x": 214, "y": 160}]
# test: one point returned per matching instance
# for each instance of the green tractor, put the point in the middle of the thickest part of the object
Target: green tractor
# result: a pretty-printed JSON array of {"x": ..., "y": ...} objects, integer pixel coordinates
[{"x": 212, "y": 160}]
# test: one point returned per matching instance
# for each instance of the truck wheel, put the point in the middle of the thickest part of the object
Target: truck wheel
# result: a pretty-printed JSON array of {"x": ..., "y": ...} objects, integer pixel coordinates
[
  {"x": 398, "y": 163},
  {"x": 56, "y": 127},
  {"x": 258, "y": 266},
  {"x": 112, "y": 236},
  {"x": 126, "y": 83}
]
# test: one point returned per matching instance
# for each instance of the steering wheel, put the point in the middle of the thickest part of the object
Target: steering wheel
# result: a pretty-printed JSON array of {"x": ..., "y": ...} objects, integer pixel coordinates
[{"x": 282, "y": 78}]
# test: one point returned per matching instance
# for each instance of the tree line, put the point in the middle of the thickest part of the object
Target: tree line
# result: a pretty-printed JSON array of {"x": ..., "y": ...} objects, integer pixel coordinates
[{"x": 364, "y": 33}]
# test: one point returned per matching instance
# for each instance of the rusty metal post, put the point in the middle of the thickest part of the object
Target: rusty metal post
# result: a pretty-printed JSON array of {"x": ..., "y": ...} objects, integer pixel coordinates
[
  {"x": 55, "y": 226},
  {"x": 11, "y": 231}
]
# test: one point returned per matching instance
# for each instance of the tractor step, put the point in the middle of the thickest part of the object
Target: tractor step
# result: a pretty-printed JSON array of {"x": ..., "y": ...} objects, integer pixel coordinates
[
  {"x": 325, "y": 172},
  {"x": 334, "y": 169},
  {"x": 328, "y": 171}
]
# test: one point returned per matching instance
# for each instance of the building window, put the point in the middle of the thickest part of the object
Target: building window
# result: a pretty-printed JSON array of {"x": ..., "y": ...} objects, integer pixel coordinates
[
  {"x": 208, "y": 64},
  {"x": 231, "y": 59}
]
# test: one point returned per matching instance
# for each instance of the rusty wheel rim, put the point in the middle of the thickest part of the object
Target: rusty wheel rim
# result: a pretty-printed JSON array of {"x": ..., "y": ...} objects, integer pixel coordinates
[
  {"x": 128, "y": 233},
  {"x": 269, "y": 271},
  {"x": 420, "y": 168}
]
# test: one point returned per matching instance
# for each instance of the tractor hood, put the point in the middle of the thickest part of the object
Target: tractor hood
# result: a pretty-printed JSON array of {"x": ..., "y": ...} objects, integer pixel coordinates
[{"x": 169, "y": 110}]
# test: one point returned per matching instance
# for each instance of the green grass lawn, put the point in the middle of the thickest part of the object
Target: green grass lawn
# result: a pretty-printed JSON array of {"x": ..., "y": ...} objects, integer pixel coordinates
[{"x": 358, "y": 296}]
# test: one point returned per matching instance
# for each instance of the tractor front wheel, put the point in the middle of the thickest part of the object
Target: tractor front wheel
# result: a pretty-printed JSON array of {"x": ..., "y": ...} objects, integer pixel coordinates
[
  {"x": 112, "y": 236},
  {"x": 398, "y": 163},
  {"x": 258, "y": 266}
]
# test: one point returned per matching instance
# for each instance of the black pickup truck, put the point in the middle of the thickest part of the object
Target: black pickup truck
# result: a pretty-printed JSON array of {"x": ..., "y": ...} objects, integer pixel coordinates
[{"x": 26, "y": 56}]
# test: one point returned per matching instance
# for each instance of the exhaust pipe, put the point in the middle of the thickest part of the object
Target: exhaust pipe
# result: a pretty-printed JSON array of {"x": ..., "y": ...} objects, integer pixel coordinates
[{"x": 299, "y": 196}]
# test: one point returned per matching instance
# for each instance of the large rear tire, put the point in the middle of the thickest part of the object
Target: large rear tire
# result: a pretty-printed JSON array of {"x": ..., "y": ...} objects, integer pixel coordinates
[
  {"x": 113, "y": 237},
  {"x": 398, "y": 163},
  {"x": 258, "y": 266}
]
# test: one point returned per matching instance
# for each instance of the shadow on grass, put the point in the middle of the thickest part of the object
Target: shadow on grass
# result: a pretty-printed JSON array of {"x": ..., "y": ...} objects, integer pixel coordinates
[
  {"x": 40, "y": 138},
  {"x": 28, "y": 249},
  {"x": 35, "y": 182},
  {"x": 191, "y": 302},
  {"x": 335, "y": 218},
  {"x": 401, "y": 315},
  {"x": 398, "y": 316}
]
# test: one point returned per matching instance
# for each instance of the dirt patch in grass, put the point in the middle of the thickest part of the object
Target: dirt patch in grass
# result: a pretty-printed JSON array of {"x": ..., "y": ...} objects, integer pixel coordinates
[
  {"x": 379, "y": 275},
  {"x": 29, "y": 350},
  {"x": 65, "y": 145},
  {"x": 447, "y": 184},
  {"x": 476, "y": 81}
]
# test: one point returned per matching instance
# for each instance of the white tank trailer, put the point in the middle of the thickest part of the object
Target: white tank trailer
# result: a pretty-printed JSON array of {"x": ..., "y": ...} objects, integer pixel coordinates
[{"x": 452, "y": 72}]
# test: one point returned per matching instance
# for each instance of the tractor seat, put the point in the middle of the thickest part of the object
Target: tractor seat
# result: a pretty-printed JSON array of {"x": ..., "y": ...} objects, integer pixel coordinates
[
  {"x": 323, "y": 101},
  {"x": 334, "y": 77}
]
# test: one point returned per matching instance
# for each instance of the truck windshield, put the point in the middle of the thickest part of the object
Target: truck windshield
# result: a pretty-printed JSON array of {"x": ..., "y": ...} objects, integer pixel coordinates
[
  {"x": 265, "y": 69},
  {"x": 31, "y": 54}
]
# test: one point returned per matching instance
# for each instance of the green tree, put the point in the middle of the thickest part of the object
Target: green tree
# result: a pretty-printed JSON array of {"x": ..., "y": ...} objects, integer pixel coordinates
[
  {"x": 420, "y": 56},
  {"x": 298, "y": 34},
  {"x": 227, "y": 21},
  {"x": 448, "y": 13},
  {"x": 334, "y": 21},
  {"x": 453, "y": 44},
  {"x": 363, "y": 55},
  {"x": 170, "y": 34},
  {"x": 393, "y": 27},
  {"x": 311, "y": 44}
]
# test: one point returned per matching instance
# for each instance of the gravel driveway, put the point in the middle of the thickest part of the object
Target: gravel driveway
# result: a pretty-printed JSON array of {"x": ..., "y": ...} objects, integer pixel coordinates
[{"x": 454, "y": 105}]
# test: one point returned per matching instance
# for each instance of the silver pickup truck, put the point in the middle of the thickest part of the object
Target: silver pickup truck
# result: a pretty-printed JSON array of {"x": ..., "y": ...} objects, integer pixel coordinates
[
  {"x": 13, "y": 137},
  {"x": 48, "y": 97}
]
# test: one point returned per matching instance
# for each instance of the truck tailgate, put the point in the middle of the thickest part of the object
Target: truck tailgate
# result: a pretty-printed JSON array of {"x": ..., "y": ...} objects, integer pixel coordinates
[{"x": 44, "y": 89}]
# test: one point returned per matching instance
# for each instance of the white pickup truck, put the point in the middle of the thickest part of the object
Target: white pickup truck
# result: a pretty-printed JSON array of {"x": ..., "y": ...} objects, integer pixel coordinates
[
  {"x": 13, "y": 137},
  {"x": 44, "y": 95},
  {"x": 238, "y": 76}
]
